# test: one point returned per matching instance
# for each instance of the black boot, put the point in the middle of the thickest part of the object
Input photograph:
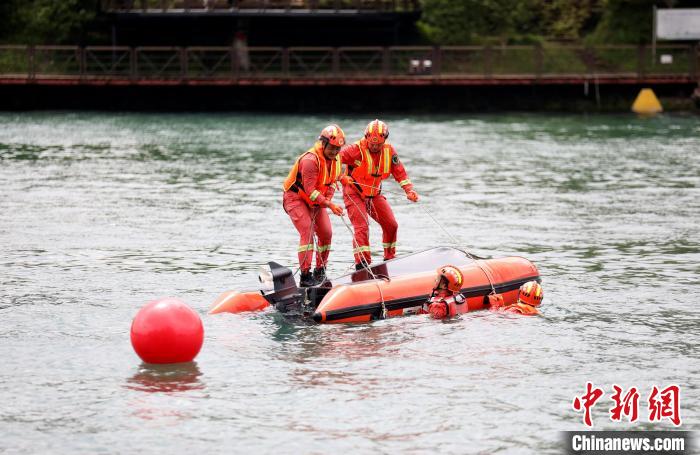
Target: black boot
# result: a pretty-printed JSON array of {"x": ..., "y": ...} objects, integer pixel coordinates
[
  {"x": 306, "y": 279},
  {"x": 359, "y": 266},
  {"x": 319, "y": 275}
]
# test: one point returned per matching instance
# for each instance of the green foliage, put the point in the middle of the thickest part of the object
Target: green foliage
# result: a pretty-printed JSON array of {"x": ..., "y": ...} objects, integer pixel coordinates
[
  {"x": 525, "y": 21},
  {"x": 45, "y": 21},
  {"x": 447, "y": 22},
  {"x": 624, "y": 21}
]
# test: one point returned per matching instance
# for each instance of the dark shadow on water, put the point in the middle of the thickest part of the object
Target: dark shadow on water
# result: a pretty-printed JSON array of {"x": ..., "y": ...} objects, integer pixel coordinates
[
  {"x": 177, "y": 377},
  {"x": 299, "y": 339}
]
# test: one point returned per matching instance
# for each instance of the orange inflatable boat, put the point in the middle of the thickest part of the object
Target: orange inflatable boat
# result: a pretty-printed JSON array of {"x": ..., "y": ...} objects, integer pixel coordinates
[{"x": 394, "y": 288}]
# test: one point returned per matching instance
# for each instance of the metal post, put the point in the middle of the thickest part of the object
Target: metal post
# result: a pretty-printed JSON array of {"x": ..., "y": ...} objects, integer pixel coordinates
[
  {"x": 385, "y": 61},
  {"x": 285, "y": 61},
  {"x": 31, "y": 63},
  {"x": 539, "y": 60},
  {"x": 589, "y": 58},
  {"x": 233, "y": 56},
  {"x": 81, "y": 62},
  {"x": 488, "y": 62},
  {"x": 336, "y": 62},
  {"x": 183, "y": 63},
  {"x": 437, "y": 61},
  {"x": 640, "y": 61},
  {"x": 133, "y": 64}
]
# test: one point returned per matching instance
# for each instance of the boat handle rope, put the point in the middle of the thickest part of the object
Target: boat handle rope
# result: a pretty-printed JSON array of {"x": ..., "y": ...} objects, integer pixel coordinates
[
  {"x": 454, "y": 239},
  {"x": 365, "y": 264}
]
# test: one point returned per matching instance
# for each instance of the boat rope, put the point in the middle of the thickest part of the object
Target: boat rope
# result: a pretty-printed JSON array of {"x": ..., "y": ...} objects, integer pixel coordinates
[
  {"x": 365, "y": 264},
  {"x": 363, "y": 261},
  {"x": 452, "y": 237},
  {"x": 381, "y": 296}
]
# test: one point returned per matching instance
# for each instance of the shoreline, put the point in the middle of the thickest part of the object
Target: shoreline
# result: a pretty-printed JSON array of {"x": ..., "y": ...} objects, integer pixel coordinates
[{"x": 311, "y": 99}]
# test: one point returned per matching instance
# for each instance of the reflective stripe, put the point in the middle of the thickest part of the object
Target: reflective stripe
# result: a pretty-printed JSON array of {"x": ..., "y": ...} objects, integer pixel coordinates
[
  {"x": 338, "y": 168},
  {"x": 302, "y": 248},
  {"x": 358, "y": 162},
  {"x": 389, "y": 245},
  {"x": 387, "y": 159},
  {"x": 368, "y": 158},
  {"x": 322, "y": 248},
  {"x": 404, "y": 182},
  {"x": 314, "y": 194},
  {"x": 361, "y": 249}
]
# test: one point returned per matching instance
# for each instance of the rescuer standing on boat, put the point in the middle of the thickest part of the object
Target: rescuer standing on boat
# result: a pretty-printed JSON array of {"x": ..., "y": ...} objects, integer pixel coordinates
[
  {"x": 371, "y": 160},
  {"x": 308, "y": 190}
]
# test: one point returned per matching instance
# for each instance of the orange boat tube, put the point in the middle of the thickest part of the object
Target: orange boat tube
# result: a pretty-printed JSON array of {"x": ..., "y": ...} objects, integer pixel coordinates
[{"x": 404, "y": 294}]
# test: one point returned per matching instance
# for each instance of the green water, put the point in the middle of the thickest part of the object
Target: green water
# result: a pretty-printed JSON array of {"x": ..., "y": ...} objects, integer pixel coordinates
[{"x": 104, "y": 212}]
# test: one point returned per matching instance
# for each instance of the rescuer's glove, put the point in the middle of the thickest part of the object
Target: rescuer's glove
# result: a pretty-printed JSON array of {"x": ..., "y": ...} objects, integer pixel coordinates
[
  {"x": 412, "y": 196},
  {"x": 346, "y": 180},
  {"x": 336, "y": 209}
]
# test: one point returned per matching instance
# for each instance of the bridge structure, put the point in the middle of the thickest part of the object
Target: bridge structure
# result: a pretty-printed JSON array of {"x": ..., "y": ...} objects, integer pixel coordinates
[
  {"x": 348, "y": 66},
  {"x": 360, "y": 78}
]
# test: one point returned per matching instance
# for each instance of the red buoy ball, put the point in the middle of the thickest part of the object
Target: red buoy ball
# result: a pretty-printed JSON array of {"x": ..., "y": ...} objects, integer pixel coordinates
[{"x": 167, "y": 331}]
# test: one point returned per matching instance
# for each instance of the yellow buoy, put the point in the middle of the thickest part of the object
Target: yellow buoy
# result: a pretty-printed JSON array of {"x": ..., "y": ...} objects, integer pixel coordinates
[{"x": 647, "y": 102}]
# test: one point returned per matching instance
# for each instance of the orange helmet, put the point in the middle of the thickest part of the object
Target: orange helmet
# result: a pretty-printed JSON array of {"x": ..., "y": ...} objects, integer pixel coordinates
[
  {"x": 333, "y": 135},
  {"x": 452, "y": 275},
  {"x": 530, "y": 293},
  {"x": 376, "y": 132}
]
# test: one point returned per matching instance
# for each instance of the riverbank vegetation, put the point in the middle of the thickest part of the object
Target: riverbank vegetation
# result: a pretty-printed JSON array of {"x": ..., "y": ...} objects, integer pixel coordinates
[
  {"x": 446, "y": 22},
  {"x": 538, "y": 21}
]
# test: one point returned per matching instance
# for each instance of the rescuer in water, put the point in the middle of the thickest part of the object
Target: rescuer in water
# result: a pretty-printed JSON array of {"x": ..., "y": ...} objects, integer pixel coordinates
[
  {"x": 371, "y": 160},
  {"x": 446, "y": 299},
  {"x": 308, "y": 190},
  {"x": 530, "y": 297}
]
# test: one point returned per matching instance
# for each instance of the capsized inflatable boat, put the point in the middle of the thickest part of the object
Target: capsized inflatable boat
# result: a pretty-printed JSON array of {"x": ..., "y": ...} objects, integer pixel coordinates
[{"x": 394, "y": 288}]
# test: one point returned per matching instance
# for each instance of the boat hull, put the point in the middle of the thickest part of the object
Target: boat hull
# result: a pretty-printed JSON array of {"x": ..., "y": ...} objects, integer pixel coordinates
[{"x": 403, "y": 295}]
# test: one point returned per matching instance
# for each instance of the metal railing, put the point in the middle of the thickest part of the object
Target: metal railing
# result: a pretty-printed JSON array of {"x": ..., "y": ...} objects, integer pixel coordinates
[
  {"x": 346, "y": 63},
  {"x": 179, "y": 6}
]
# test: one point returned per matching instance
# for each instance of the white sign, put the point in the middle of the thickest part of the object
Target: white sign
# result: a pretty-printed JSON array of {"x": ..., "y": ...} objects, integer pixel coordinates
[{"x": 678, "y": 24}]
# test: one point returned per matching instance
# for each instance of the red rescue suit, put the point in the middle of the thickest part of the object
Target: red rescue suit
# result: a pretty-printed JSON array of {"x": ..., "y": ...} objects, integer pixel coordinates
[
  {"x": 308, "y": 190},
  {"x": 516, "y": 308},
  {"x": 363, "y": 198}
]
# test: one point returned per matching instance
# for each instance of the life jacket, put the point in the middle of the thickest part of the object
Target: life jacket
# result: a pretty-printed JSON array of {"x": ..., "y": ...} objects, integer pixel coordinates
[
  {"x": 368, "y": 172},
  {"x": 325, "y": 178}
]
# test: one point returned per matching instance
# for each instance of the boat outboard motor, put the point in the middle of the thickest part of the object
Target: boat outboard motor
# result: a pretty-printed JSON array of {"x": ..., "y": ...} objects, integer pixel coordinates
[{"x": 286, "y": 296}]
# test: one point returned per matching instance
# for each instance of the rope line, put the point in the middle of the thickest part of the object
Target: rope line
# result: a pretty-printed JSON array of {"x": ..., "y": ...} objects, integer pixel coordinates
[{"x": 452, "y": 237}]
